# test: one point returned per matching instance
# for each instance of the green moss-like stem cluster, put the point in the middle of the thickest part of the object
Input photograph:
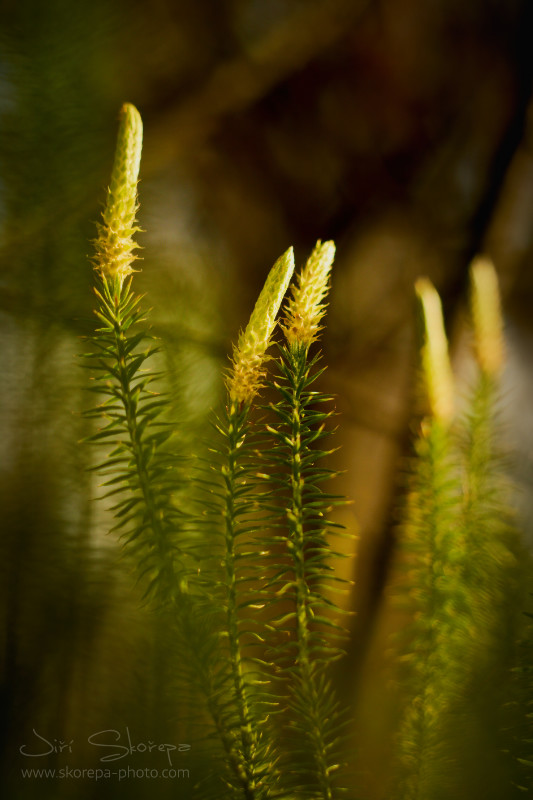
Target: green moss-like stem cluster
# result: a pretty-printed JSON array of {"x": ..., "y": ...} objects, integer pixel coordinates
[{"x": 245, "y": 578}]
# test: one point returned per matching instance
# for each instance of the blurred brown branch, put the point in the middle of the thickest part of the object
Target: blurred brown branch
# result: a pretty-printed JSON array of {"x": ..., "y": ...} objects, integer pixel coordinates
[{"x": 244, "y": 79}]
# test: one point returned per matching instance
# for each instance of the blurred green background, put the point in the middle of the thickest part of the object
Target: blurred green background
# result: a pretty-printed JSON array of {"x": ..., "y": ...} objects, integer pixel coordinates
[{"x": 400, "y": 128}]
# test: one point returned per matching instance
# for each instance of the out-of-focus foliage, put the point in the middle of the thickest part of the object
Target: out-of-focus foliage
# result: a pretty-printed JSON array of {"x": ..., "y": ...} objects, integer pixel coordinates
[{"x": 462, "y": 566}]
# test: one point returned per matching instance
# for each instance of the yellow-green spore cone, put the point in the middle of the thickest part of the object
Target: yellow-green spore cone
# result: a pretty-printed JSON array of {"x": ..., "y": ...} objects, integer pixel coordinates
[
  {"x": 436, "y": 367},
  {"x": 486, "y": 316},
  {"x": 244, "y": 379},
  {"x": 115, "y": 243},
  {"x": 307, "y": 306}
]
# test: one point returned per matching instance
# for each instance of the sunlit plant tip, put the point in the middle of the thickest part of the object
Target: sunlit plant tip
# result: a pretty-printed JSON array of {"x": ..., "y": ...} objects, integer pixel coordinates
[
  {"x": 244, "y": 380},
  {"x": 307, "y": 306},
  {"x": 436, "y": 367},
  {"x": 486, "y": 316},
  {"x": 115, "y": 243}
]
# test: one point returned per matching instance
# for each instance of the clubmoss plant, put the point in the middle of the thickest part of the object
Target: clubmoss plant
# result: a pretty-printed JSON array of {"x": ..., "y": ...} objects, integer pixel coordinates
[
  {"x": 492, "y": 542},
  {"x": 461, "y": 554},
  {"x": 430, "y": 544},
  {"x": 311, "y": 634},
  {"x": 494, "y": 560},
  {"x": 141, "y": 470},
  {"x": 235, "y": 504}
]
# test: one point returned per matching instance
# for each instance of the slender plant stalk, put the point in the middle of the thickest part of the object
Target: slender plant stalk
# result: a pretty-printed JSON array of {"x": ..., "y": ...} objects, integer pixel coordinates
[
  {"x": 491, "y": 541},
  {"x": 255, "y": 773},
  {"x": 251, "y": 772},
  {"x": 462, "y": 554},
  {"x": 432, "y": 543},
  {"x": 494, "y": 557},
  {"x": 314, "y": 713},
  {"x": 492, "y": 552},
  {"x": 433, "y": 655},
  {"x": 143, "y": 472}
]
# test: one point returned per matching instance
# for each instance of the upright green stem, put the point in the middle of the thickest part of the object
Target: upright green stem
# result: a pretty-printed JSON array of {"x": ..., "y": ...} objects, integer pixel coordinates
[
  {"x": 130, "y": 409},
  {"x": 313, "y": 708},
  {"x": 153, "y": 512},
  {"x": 296, "y": 528},
  {"x": 492, "y": 554},
  {"x": 197, "y": 642},
  {"x": 435, "y": 579},
  {"x": 236, "y": 432},
  {"x": 243, "y": 382},
  {"x": 296, "y": 544}
]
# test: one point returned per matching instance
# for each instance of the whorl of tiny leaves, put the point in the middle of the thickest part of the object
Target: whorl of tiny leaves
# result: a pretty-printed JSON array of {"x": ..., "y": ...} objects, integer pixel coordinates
[
  {"x": 486, "y": 316},
  {"x": 244, "y": 380},
  {"x": 307, "y": 306},
  {"x": 437, "y": 372},
  {"x": 115, "y": 244}
]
